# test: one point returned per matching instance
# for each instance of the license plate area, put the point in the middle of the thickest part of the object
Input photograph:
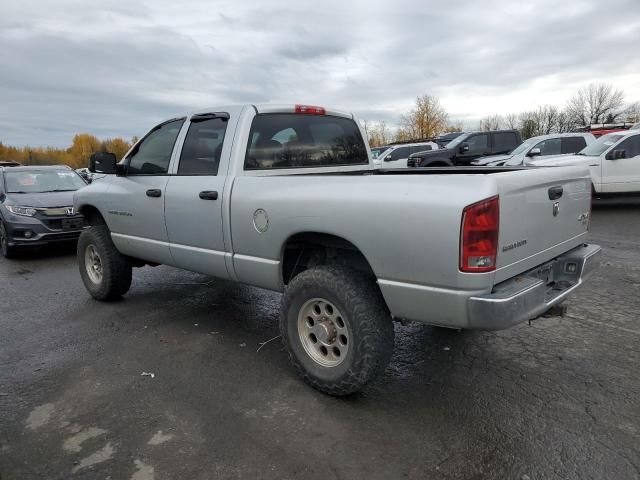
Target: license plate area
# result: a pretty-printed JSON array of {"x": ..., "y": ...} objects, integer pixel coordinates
[{"x": 72, "y": 223}]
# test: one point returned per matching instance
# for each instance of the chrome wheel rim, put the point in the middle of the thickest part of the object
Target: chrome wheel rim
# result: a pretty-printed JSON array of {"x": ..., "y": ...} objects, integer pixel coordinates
[
  {"x": 323, "y": 332},
  {"x": 93, "y": 264}
]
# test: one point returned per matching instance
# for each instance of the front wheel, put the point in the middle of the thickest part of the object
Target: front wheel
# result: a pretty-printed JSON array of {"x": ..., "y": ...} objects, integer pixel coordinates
[
  {"x": 336, "y": 328},
  {"x": 7, "y": 250},
  {"x": 106, "y": 273}
]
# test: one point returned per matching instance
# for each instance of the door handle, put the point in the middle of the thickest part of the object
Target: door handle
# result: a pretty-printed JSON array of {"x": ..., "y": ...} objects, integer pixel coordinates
[
  {"x": 154, "y": 192},
  {"x": 208, "y": 195},
  {"x": 555, "y": 192}
]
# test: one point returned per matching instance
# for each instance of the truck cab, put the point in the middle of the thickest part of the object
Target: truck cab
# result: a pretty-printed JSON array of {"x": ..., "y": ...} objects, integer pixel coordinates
[
  {"x": 613, "y": 160},
  {"x": 466, "y": 148}
]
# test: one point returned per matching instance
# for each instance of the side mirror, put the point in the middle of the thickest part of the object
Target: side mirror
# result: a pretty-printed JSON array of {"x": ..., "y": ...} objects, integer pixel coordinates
[
  {"x": 617, "y": 154},
  {"x": 534, "y": 152},
  {"x": 464, "y": 148},
  {"x": 102, "y": 162}
]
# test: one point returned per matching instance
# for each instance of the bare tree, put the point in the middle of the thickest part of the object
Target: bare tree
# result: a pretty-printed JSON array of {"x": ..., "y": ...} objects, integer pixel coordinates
[
  {"x": 379, "y": 134},
  {"x": 595, "y": 103},
  {"x": 454, "y": 127},
  {"x": 511, "y": 120},
  {"x": 632, "y": 113},
  {"x": 427, "y": 119},
  {"x": 492, "y": 122}
]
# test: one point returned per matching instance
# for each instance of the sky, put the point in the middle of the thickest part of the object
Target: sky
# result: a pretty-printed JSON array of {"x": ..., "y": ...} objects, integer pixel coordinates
[{"x": 116, "y": 68}]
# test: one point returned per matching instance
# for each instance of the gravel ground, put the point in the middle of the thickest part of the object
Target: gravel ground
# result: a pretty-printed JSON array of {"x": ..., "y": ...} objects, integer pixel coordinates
[{"x": 555, "y": 399}]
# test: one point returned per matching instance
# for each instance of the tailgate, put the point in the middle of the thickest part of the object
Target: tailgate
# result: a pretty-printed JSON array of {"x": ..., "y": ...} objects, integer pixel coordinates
[{"x": 543, "y": 213}]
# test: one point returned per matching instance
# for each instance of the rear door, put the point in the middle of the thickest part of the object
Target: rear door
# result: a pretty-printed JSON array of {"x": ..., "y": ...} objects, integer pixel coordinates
[
  {"x": 195, "y": 196},
  {"x": 543, "y": 213},
  {"x": 622, "y": 174},
  {"x": 135, "y": 209}
]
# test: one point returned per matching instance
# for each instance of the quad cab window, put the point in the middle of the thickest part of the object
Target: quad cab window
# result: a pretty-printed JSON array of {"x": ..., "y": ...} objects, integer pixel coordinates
[
  {"x": 298, "y": 141},
  {"x": 203, "y": 146}
]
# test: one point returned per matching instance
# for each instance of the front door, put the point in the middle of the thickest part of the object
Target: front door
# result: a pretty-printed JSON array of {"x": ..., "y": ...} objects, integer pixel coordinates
[
  {"x": 397, "y": 158},
  {"x": 136, "y": 200},
  {"x": 194, "y": 197},
  {"x": 623, "y": 174}
]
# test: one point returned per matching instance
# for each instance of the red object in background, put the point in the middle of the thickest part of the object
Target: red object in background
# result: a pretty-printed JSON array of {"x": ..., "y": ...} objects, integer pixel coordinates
[{"x": 599, "y": 132}]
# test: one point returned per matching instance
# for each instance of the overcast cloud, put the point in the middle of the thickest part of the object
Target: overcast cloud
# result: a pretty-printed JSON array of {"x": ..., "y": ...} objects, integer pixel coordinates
[{"x": 113, "y": 68}]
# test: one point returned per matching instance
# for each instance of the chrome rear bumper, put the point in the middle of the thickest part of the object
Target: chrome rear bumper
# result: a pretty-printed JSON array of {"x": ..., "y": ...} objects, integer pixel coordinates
[{"x": 532, "y": 293}]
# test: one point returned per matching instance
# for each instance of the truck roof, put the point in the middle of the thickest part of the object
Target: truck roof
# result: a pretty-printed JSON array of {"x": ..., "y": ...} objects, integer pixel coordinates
[{"x": 275, "y": 108}]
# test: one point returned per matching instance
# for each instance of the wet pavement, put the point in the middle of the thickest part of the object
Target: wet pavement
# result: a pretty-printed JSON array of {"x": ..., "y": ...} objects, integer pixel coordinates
[{"x": 559, "y": 398}]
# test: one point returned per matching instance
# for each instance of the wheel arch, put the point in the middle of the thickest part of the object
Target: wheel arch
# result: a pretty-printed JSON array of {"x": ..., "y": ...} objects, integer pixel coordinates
[
  {"x": 438, "y": 162},
  {"x": 303, "y": 250},
  {"x": 92, "y": 215}
]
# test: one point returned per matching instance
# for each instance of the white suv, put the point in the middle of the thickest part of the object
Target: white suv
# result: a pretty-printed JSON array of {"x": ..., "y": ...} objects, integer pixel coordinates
[
  {"x": 614, "y": 161},
  {"x": 396, "y": 155}
]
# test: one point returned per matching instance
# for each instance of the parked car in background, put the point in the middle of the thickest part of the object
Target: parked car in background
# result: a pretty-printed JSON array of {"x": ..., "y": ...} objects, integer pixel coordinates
[
  {"x": 9, "y": 163},
  {"x": 396, "y": 155},
  {"x": 281, "y": 197},
  {"x": 613, "y": 159},
  {"x": 445, "y": 138},
  {"x": 36, "y": 206},
  {"x": 377, "y": 151},
  {"x": 540, "y": 146},
  {"x": 468, "y": 147}
]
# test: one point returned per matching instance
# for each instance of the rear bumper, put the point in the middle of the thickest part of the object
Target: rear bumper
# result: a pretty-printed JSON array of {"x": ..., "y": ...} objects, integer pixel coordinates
[{"x": 531, "y": 294}]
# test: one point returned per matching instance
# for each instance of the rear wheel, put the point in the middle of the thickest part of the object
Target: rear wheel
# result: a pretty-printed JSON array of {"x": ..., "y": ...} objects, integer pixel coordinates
[
  {"x": 337, "y": 328},
  {"x": 105, "y": 272},
  {"x": 7, "y": 250}
]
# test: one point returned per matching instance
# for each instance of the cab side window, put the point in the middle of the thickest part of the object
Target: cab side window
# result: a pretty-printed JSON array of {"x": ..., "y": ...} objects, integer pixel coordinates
[
  {"x": 573, "y": 144},
  {"x": 478, "y": 143},
  {"x": 398, "y": 153},
  {"x": 203, "y": 147},
  {"x": 631, "y": 146},
  {"x": 153, "y": 154},
  {"x": 552, "y": 146}
]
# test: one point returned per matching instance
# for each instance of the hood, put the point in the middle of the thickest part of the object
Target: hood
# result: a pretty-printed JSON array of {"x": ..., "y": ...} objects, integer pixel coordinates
[
  {"x": 491, "y": 159},
  {"x": 562, "y": 160},
  {"x": 40, "y": 200},
  {"x": 441, "y": 152}
]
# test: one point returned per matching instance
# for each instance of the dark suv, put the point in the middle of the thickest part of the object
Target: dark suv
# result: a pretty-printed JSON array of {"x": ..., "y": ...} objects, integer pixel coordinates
[
  {"x": 467, "y": 147},
  {"x": 36, "y": 206}
]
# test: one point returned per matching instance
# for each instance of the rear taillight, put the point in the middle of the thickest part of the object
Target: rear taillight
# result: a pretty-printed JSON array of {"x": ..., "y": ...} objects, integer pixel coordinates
[
  {"x": 310, "y": 110},
  {"x": 479, "y": 236}
]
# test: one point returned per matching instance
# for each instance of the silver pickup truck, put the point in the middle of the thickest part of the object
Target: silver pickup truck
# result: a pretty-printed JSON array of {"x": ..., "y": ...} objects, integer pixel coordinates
[{"x": 286, "y": 198}]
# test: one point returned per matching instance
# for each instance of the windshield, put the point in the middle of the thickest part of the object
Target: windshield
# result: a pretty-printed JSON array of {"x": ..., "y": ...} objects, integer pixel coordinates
[
  {"x": 601, "y": 145},
  {"x": 456, "y": 141},
  {"x": 521, "y": 148},
  {"x": 378, "y": 151},
  {"x": 40, "y": 181}
]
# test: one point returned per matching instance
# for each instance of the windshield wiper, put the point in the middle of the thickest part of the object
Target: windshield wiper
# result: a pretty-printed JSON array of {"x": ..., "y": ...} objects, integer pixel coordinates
[{"x": 59, "y": 190}]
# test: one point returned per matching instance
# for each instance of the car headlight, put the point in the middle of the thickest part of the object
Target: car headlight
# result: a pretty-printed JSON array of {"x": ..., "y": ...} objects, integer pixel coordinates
[{"x": 24, "y": 211}]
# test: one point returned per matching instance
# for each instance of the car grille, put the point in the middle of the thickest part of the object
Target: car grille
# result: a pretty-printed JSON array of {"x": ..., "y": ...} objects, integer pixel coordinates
[
  {"x": 54, "y": 211},
  {"x": 75, "y": 222}
]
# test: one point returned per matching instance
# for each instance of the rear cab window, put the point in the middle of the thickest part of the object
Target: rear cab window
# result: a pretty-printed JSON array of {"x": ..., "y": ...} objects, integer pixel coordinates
[
  {"x": 504, "y": 141},
  {"x": 573, "y": 144},
  {"x": 290, "y": 140}
]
